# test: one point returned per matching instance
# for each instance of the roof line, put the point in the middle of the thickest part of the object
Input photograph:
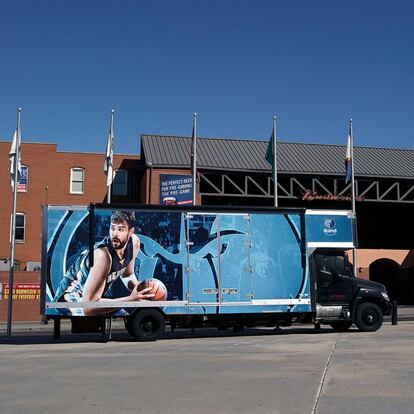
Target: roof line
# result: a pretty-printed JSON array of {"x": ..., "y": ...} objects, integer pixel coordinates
[
  {"x": 338, "y": 174},
  {"x": 279, "y": 141},
  {"x": 29, "y": 142},
  {"x": 71, "y": 152}
]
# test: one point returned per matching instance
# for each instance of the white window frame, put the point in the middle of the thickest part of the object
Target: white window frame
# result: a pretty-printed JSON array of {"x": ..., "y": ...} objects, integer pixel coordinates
[
  {"x": 24, "y": 227},
  {"x": 124, "y": 191},
  {"x": 72, "y": 191}
]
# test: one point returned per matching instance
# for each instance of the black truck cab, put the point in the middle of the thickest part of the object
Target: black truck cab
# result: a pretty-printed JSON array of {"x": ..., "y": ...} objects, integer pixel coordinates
[{"x": 343, "y": 299}]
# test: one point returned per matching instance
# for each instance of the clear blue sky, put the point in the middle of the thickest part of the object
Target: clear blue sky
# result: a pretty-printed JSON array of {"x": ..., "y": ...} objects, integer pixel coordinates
[{"x": 313, "y": 64}]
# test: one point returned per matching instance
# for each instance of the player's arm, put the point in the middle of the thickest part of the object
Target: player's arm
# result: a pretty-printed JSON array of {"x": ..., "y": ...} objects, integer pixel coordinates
[{"x": 95, "y": 285}]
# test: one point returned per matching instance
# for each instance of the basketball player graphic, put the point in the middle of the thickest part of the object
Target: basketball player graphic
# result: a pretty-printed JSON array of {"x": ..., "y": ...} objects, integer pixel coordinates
[{"x": 114, "y": 259}]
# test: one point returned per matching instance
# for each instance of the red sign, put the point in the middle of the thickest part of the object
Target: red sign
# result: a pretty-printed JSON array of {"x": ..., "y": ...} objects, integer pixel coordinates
[
  {"x": 21, "y": 291},
  {"x": 313, "y": 195}
]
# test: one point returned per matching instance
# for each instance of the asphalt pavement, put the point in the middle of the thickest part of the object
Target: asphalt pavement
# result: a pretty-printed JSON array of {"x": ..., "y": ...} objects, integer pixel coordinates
[
  {"x": 405, "y": 313},
  {"x": 292, "y": 370}
]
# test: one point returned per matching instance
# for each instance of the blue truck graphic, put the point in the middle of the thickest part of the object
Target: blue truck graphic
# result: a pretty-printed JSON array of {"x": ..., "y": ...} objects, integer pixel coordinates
[{"x": 227, "y": 267}]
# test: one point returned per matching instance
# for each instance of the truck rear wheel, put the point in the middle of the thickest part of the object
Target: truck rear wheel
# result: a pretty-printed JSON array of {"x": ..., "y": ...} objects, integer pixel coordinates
[
  {"x": 341, "y": 326},
  {"x": 147, "y": 325},
  {"x": 369, "y": 317}
]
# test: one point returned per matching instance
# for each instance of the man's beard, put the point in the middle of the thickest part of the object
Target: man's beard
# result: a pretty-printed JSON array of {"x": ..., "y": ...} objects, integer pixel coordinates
[{"x": 120, "y": 245}]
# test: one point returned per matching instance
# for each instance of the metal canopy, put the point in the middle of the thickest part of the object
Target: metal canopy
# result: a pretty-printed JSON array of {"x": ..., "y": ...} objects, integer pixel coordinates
[{"x": 305, "y": 188}]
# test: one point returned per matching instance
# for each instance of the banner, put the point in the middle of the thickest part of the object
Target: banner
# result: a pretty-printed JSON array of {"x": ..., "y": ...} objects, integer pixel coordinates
[
  {"x": 23, "y": 180},
  {"x": 176, "y": 189},
  {"x": 21, "y": 291}
]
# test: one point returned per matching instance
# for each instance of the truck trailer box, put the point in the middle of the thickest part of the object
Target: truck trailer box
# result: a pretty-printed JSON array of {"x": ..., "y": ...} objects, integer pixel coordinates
[{"x": 222, "y": 266}]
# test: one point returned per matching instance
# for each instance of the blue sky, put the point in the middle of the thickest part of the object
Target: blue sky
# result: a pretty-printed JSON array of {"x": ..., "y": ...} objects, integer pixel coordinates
[{"x": 313, "y": 64}]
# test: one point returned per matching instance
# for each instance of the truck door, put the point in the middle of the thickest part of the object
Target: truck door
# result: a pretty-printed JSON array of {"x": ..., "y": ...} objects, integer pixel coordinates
[
  {"x": 218, "y": 258},
  {"x": 203, "y": 273},
  {"x": 235, "y": 258},
  {"x": 333, "y": 277}
]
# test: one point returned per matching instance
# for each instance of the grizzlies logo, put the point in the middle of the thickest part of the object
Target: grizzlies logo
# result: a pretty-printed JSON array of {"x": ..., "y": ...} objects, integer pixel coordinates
[{"x": 329, "y": 227}]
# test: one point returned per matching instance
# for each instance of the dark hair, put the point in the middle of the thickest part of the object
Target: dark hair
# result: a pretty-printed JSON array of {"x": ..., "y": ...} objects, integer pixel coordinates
[{"x": 127, "y": 216}]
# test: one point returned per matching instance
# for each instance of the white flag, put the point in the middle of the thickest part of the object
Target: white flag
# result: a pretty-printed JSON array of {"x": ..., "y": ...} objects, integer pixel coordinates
[
  {"x": 109, "y": 160},
  {"x": 15, "y": 155}
]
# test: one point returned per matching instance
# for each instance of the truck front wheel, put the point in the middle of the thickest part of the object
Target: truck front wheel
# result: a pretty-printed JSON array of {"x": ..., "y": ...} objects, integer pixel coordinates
[
  {"x": 147, "y": 325},
  {"x": 369, "y": 317}
]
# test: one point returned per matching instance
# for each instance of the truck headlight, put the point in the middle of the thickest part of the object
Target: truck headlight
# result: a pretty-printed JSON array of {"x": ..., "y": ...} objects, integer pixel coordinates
[{"x": 385, "y": 296}]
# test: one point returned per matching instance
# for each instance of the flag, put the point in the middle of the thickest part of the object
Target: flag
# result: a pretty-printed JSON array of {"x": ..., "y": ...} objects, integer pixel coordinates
[
  {"x": 15, "y": 155},
  {"x": 270, "y": 155},
  {"x": 109, "y": 159},
  {"x": 348, "y": 159}
]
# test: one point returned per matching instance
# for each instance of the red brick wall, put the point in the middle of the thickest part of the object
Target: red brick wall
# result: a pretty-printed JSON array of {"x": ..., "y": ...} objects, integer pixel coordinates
[{"x": 51, "y": 168}]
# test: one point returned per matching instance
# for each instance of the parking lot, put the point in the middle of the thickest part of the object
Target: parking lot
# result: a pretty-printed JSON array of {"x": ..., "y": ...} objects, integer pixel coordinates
[{"x": 295, "y": 370}]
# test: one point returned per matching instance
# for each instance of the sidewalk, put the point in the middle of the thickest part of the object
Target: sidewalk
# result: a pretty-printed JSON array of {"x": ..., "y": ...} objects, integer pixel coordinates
[
  {"x": 405, "y": 313},
  {"x": 37, "y": 327}
]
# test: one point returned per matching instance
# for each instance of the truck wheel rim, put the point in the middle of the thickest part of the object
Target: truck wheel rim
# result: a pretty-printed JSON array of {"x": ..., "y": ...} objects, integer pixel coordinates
[
  {"x": 149, "y": 325},
  {"x": 370, "y": 317}
]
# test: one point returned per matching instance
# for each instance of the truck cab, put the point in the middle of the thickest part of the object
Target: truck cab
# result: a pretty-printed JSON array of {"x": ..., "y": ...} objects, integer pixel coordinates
[{"x": 343, "y": 299}]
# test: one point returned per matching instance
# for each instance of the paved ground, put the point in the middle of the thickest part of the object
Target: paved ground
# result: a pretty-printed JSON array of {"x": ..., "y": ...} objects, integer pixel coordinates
[
  {"x": 293, "y": 371},
  {"x": 405, "y": 313}
]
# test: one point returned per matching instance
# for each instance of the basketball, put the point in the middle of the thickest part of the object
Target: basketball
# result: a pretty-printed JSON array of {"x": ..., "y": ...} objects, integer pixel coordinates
[{"x": 158, "y": 288}]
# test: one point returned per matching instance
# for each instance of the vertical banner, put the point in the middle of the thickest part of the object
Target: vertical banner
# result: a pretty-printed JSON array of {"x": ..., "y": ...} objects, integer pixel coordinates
[
  {"x": 23, "y": 180},
  {"x": 175, "y": 189}
]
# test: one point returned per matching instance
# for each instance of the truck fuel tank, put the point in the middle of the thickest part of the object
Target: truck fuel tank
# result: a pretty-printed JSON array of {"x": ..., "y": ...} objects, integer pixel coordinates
[{"x": 331, "y": 311}]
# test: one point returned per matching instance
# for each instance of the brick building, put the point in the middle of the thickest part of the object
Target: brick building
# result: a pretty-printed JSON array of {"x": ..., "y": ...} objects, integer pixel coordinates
[
  {"x": 230, "y": 172},
  {"x": 52, "y": 177}
]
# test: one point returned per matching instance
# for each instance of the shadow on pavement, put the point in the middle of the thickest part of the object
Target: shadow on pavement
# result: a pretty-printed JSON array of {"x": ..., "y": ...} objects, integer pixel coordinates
[{"x": 31, "y": 338}]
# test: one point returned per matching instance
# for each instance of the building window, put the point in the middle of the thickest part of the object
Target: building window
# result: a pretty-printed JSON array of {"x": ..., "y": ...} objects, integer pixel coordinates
[
  {"x": 20, "y": 230},
  {"x": 119, "y": 185},
  {"x": 77, "y": 180},
  {"x": 24, "y": 179}
]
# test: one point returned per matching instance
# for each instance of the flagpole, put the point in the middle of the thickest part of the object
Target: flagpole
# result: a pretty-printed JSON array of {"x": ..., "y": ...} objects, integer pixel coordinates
[
  {"x": 194, "y": 158},
  {"x": 13, "y": 230},
  {"x": 274, "y": 163},
  {"x": 353, "y": 168},
  {"x": 354, "y": 252},
  {"x": 110, "y": 170}
]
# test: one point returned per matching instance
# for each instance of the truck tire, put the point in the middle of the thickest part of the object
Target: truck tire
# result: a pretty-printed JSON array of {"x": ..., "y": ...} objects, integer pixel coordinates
[
  {"x": 369, "y": 317},
  {"x": 147, "y": 325},
  {"x": 341, "y": 326}
]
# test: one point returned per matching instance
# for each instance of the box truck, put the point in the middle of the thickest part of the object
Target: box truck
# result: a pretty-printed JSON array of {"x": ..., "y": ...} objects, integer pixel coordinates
[{"x": 203, "y": 266}]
